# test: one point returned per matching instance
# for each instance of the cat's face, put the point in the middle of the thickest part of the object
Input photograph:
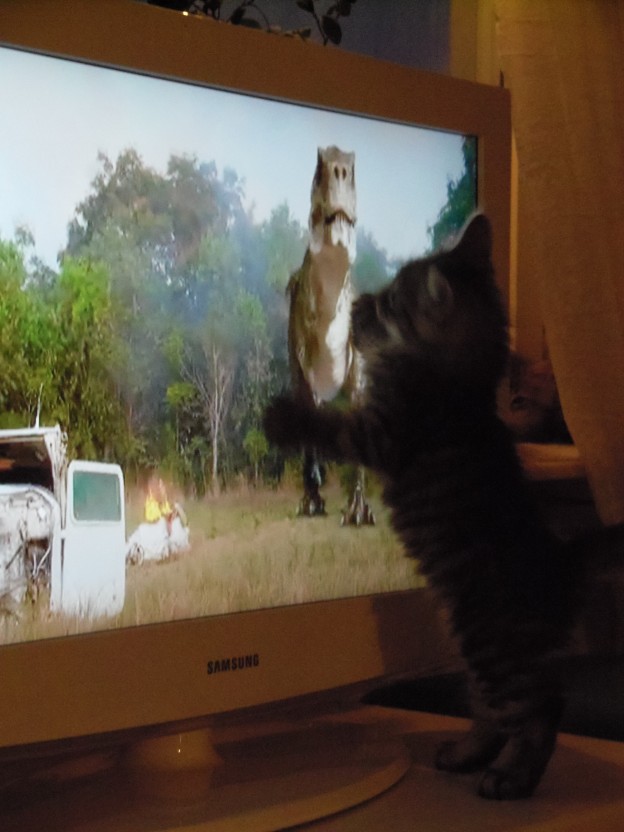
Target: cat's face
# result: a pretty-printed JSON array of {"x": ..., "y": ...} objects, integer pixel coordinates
[
  {"x": 415, "y": 308},
  {"x": 443, "y": 308}
]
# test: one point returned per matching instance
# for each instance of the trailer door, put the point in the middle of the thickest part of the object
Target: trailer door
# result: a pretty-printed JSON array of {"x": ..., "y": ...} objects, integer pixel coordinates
[{"x": 93, "y": 558}]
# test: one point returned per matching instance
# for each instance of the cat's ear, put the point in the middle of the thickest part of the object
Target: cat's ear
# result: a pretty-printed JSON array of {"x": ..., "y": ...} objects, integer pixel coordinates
[
  {"x": 475, "y": 242},
  {"x": 439, "y": 292}
]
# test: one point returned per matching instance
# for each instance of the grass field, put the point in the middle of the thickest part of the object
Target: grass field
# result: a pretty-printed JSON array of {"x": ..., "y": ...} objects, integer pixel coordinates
[{"x": 249, "y": 550}]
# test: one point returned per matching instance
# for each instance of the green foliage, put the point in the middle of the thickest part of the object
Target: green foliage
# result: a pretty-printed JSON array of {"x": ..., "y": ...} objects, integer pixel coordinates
[
  {"x": 179, "y": 394},
  {"x": 162, "y": 335},
  {"x": 461, "y": 193},
  {"x": 25, "y": 338},
  {"x": 87, "y": 356},
  {"x": 284, "y": 241},
  {"x": 256, "y": 447},
  {"x": 57, "y": 351},
  {"x": 371, "y": 269}
]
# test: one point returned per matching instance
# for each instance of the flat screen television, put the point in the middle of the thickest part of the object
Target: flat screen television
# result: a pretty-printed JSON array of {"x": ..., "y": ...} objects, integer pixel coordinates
[{"x": 155, "y": 174}]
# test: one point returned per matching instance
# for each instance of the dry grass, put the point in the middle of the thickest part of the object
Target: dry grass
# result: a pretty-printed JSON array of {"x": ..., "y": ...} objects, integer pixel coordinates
[{"x": 248, "y": 551}]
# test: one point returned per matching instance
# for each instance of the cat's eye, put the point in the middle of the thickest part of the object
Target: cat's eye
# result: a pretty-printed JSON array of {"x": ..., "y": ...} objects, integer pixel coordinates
[
  {"x": 437, "y": 287},
  {"x": 436, "y": 295},
  {"x": 385, "y": 305},
  {"x": 519, "y": 403}
]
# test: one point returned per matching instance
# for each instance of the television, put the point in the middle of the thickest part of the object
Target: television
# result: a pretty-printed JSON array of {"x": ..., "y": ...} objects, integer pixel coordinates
[{"x": 153, "y": 163}]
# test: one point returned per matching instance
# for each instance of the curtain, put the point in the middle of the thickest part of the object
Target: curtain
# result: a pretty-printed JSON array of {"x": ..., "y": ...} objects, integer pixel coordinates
[{"x": 563, "y": 61}]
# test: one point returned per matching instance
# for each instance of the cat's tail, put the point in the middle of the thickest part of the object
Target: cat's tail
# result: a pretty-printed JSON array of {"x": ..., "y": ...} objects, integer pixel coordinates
[{"x": 599, "y": 549}]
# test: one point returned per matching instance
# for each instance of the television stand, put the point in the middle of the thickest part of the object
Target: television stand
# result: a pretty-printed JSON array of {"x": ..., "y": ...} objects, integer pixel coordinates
[
  {"x": 582, "y": 789},
  {"x": 268, "y": 777}
]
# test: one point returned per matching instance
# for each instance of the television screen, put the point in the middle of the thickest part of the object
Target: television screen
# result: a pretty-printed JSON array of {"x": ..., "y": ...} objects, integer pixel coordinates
[
  {"x": 148, "y": 232},
  {"x": 164, "y": 182}
]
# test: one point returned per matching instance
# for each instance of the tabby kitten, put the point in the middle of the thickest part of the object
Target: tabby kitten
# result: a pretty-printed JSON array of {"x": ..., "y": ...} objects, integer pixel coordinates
[
  {"x": 435, "y": 348},
  {"x": 529, "y": 402}
]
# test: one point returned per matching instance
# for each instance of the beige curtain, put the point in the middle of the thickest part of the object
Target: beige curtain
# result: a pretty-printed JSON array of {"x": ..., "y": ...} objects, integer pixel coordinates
[{"x": 563, "y": 61}]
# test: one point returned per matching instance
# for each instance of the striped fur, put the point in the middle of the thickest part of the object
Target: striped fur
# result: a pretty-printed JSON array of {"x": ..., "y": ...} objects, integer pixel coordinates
[{"x": 435, "y": 348}]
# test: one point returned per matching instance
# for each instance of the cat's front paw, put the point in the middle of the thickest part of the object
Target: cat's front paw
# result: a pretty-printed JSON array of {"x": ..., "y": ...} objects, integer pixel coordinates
[
  {"x": 286, "y": 422},
  {"x": 501, "y": 784},
  {"x": 470, "y": 753}
]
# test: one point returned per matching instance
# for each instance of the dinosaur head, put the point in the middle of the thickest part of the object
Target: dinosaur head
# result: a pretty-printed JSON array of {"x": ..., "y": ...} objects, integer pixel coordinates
[{"x": 332, "y": 211}]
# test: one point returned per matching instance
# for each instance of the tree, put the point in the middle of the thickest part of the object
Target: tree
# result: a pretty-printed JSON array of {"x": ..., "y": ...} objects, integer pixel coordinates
[
  {"x": 13, "y": 304},
  {"x": 257, "y": 447},
  {"x": 125, "y": 223},
  {"x": 87, "y": 361},
  {"x": 198, "y": 314},
  {"x": 206, "y": 352},
  {"x": 461, "y": 193},
  {"x": 371, "y": 269},
  {"x": 58, "y": 350},
  {"x": 155, "y": 232},
  {"x": 26, "y": 338},
  {"x": 284, "y": 242},
  {"x": 211, "y": 371},
  {"x": 281, "y": 247}
]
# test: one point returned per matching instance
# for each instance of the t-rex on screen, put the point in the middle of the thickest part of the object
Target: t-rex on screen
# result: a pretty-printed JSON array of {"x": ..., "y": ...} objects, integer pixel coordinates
[{"x": 322, "y": 358}]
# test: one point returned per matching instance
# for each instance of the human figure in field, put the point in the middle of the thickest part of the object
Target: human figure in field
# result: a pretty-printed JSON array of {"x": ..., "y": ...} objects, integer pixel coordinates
[{"x": 157, "y": 503}]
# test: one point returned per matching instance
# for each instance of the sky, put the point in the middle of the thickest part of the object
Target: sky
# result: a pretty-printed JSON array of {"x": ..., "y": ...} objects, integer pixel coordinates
[{"x": 58, "y": 114}]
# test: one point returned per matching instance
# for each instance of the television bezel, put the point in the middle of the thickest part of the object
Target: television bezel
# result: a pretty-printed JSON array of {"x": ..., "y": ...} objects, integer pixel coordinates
[{"x": 157, "y": 675}]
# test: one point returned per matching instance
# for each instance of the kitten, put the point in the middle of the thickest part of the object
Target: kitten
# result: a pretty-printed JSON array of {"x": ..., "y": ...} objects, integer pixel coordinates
[
  {"x": 435, "y": 347},
  {"x": 529, "y": 402}
]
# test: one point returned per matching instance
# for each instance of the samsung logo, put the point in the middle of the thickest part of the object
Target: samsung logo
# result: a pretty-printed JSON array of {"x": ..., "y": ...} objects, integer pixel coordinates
[{"x": 232, "y": 663}]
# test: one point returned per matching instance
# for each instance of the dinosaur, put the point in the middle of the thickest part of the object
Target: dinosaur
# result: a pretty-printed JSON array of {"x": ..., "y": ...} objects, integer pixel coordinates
[{"x": 323, "y": 361}]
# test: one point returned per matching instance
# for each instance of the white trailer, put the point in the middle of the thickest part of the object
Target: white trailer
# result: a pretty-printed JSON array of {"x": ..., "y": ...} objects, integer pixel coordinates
[{"x": 62, "y": 526}]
